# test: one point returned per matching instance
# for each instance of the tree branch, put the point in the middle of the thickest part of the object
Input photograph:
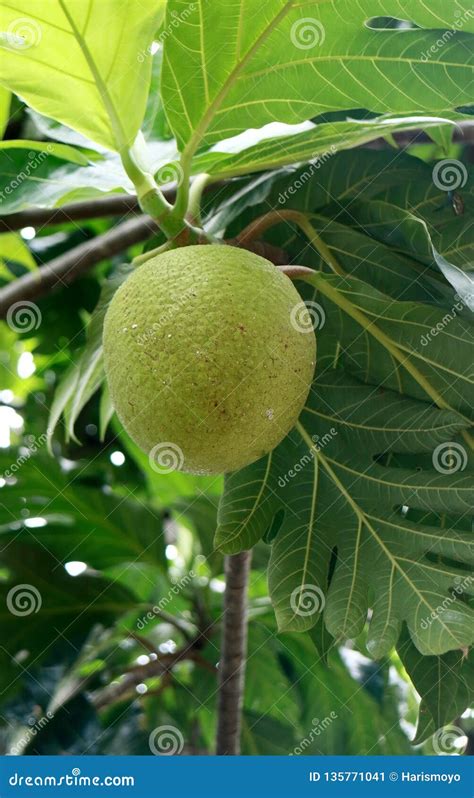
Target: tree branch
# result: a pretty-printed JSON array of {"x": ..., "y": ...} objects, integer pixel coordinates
[
  {"x": 110, "y": 205},
  {"x": 181, "y": 625},
  {"x": 70, "y": 265},
  {"x": 121, "y": 204},
  {"x": 67, "y": 267},
  {"x": 233, "y": 654},
  {"x": 158, "y": 667},
  {"x": 114, "y": 205},
  {"x": 118, "y": 690}
]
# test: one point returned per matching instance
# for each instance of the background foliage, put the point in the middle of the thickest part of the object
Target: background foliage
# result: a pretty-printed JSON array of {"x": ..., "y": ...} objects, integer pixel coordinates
[{"x": 350, "y": 125}]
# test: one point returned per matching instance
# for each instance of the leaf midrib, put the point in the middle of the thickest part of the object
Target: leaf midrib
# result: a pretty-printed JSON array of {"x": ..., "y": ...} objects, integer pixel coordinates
[
  {"x": 206, "y": 119},
  {"x": 116, "y": 125},
  {"x": 314, "y": 495},
  {"x": 372, "y": 428},
  {"x": 256, "y": 503},
  {"x": 407, "y": 485},
  {"x": 338, "y": 58},
  {"x": 364, "y": 520}
]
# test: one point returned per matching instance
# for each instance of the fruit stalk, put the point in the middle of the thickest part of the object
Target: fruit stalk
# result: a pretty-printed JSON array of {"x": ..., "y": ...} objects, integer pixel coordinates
[
  {"x": 233, "y": 654},
  {"x": 150, "y": 198}
]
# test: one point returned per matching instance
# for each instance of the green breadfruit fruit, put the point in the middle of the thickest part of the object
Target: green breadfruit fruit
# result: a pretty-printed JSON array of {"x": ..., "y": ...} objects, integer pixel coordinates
[{"x": 209, "y": 355}]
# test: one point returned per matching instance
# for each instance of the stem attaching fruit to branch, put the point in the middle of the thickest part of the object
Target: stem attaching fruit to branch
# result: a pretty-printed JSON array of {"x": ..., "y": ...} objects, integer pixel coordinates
[
  {"x": 170, "y": 219},
  {"x": 198, "y": 185},
  {"x": 259, "y": 226},
  {"x": 182, "y": 194}
]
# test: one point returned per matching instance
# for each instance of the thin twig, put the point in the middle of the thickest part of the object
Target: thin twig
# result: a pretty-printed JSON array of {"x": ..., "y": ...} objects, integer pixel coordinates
[
  {"x": 296, "y": 272},
  {"x": 233, "y": 654},
  {"x": 259, "y": 226},
  {"x": 147, "y": 644},
  {"x": 181, "y": 625},
  {"x": 272, "y": 253},
  {"x": 140, "y": 673}
]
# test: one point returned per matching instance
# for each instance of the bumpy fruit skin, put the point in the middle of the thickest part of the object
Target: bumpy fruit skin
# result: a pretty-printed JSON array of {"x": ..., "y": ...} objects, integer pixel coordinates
[{"x": 201, "y": 355}]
